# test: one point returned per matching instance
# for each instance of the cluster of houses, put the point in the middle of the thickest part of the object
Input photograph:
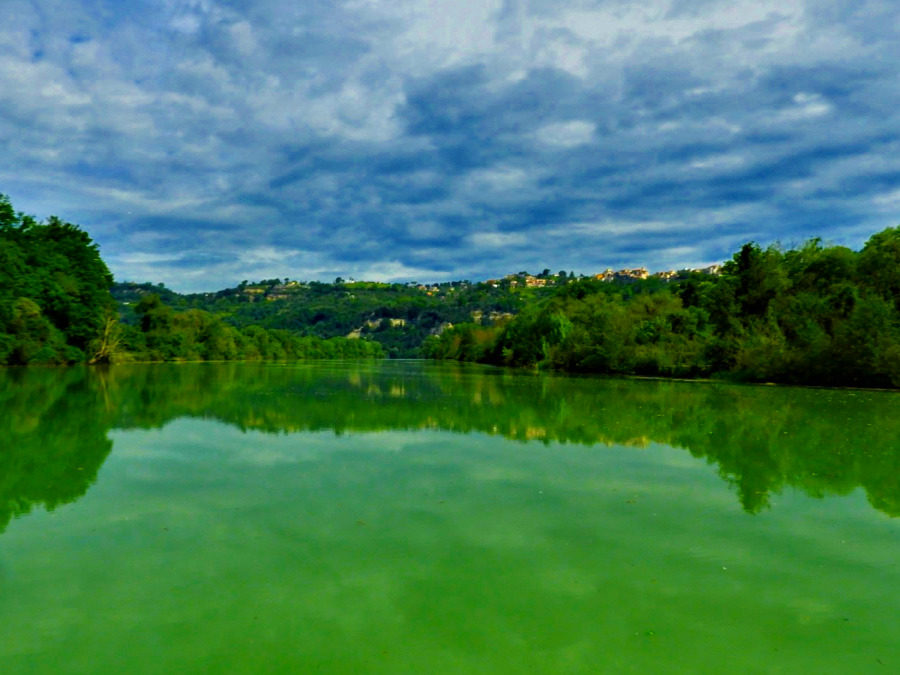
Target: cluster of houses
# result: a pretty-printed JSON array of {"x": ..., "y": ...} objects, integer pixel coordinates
[
  {"x": 621, "y": 276},
  {"x": 640, "y": 273},
  {"x": 264, "y": 290},
  {"x": 522, "y": 279},
  {"x": 283, "y": 291}
]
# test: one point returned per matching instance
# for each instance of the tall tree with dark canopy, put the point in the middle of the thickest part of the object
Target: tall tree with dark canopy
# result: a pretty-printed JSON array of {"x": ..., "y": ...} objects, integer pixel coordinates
[{"x": 54, "y": 290}]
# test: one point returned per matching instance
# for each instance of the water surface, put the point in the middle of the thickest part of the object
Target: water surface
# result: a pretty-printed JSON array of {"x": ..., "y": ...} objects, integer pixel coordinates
[{"x": 408, "y": 517}]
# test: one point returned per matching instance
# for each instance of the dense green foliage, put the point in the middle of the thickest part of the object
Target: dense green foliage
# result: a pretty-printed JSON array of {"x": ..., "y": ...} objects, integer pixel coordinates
[
  {"x": 761, "y": 439},
  {"x": 54, "y": 291},
  {"x": 163, "y": 334},
  {"x": 56, "y": 307},
  {"x": 813, "y": 315},
  {"x": 397, "y": 316}
]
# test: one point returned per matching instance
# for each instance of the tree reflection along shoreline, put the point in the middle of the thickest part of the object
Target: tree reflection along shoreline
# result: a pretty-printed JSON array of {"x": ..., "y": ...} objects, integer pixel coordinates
[{"x": 761, "y": 439}]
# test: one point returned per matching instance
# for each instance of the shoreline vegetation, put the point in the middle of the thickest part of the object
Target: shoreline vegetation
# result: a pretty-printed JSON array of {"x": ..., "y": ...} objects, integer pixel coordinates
[
  {"x": 813, "y": 315},
  {"x": 56, "y": 308}
]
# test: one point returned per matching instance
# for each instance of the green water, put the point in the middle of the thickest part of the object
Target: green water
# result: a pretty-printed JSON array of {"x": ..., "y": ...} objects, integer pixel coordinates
[{"x": 418, "y": 518}]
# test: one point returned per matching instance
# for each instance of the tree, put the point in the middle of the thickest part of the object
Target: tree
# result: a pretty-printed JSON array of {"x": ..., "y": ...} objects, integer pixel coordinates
[
  {"x": 879, "y": 264},
  {"x": 57, "y": 268}
]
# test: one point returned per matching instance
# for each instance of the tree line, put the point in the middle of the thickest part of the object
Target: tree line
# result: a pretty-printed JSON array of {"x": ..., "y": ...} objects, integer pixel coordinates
[
  {"x": 56, "y": 308},
  {"x": 399, "y": 316},
  {"x": 821, "y": 315},
  {"x": 162, "y": 334},
  {"x": 816, "y": 314}
]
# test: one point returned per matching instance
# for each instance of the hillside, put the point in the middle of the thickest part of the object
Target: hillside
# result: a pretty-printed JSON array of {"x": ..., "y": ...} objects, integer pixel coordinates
[
  {"x": 816, "y": 314},
  {"x": 398, "y": 316}
]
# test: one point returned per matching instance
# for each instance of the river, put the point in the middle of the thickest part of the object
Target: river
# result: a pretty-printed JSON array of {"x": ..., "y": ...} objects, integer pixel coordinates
[{"x": 411, "y": 517}]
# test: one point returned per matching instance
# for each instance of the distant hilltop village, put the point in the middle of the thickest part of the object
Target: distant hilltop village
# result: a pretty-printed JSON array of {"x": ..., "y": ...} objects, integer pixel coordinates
[
  {"x": 621, "y": 276},
  {"x": 276, "y": 289},
  {"x": 642, "y": 273},
  {"x": 285, "y": 289}
]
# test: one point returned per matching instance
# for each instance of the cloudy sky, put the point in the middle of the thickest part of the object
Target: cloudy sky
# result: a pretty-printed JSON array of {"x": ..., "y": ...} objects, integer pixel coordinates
[{"x": 202, "y": 142}]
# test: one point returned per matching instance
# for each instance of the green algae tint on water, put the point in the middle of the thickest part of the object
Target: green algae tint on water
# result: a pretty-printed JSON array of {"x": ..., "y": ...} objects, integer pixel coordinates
[{"x": 417, "y": 518}]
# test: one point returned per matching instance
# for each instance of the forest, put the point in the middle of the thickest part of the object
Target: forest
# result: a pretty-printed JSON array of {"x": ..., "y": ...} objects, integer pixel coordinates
[
  {"x": 399, "y": 316},
  {"x": 818, "y": 315},
  {"x": 56, "y": 308}
]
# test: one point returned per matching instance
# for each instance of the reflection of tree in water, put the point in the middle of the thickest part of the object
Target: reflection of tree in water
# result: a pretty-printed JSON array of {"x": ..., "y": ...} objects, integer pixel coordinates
[
  {"x": 53, "y": 425},
  {"x": 821, "y": 441},
  {"x": 761, "y": 438}
]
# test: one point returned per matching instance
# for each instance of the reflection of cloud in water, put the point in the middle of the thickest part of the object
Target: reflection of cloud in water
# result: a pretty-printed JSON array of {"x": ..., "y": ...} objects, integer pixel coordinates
[
  {"x": 291, "y": 506},
  {"x": 189, "y": 440},
  {"x": 759, "y": 439}
]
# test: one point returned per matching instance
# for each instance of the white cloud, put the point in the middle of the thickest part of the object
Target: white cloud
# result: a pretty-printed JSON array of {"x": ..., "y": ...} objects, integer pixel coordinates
[
  {"x": 718, "y": 162},
  {"x": 442, "y": 33},
  {"x": 806, "y": 106},
  {"x": 148, "y": 258},
  {"x": 244, "y": 39},
  {"x": 617, "y": 23},
  {"x": 394, "y": 270},
  {"x": 567, "y": 134},
  {"x": 498, "y": 179},
  {"x": 497, "y": 239},
  {"x": 186, "y": 23},
  {"x": 265, "y": 255},
  {"x": 890, "y": 199}
]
